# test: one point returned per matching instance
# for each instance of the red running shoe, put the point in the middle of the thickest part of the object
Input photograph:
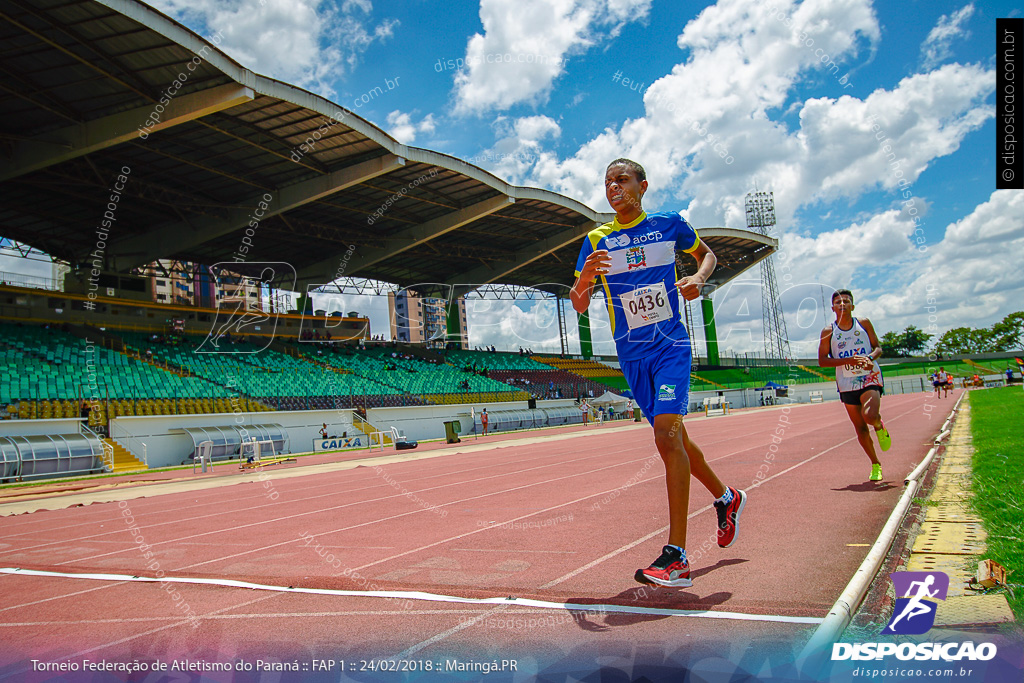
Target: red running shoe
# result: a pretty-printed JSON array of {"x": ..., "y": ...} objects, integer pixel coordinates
[
  {"x": 668, "y": 570},
  {"x": 729, "y": 517}
]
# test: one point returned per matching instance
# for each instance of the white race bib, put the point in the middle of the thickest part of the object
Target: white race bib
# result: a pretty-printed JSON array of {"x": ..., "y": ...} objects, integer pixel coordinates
[
  {"x": 646, "y": 306},
  {"x": 855, "y": 372}
]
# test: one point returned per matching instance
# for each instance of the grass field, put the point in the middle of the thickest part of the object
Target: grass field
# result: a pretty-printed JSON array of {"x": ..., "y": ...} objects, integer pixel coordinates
[{"x": 996, "y": 419}]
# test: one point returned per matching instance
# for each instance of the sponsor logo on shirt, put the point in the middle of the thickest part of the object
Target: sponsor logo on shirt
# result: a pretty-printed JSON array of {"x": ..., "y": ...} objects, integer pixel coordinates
[
  {"x": 654, "y": 236},
  {"x": 617, "y": 241},
  {"x": 667, "y": 392},
  {"x": 636, "y": 258}
]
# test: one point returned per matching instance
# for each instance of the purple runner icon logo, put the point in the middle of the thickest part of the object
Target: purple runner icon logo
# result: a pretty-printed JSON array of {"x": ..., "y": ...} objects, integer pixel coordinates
[
  {"x": 245, "y": 312},
  {"x": 917, "y": 594}
]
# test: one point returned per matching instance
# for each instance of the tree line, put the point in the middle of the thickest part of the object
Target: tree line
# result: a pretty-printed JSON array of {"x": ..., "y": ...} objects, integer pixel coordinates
[{"x": 1005, "y": 335}]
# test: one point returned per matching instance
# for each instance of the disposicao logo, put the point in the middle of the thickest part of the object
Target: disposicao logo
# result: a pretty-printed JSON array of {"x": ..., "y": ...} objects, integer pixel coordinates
[
  {"x": 620, "y": 241},
  {"x": 917, "y": 594}
]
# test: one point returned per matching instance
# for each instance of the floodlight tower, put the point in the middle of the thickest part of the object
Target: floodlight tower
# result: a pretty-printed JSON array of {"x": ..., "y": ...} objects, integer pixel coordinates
[{"x": 760, "y": 207}]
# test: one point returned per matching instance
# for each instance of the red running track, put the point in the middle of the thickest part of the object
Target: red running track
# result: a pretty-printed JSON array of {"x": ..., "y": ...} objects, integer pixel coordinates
[{"x": 561, "y": 517}]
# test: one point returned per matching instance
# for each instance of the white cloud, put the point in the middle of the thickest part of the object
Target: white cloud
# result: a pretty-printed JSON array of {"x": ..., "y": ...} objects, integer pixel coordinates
[
  {"x": 402, "y": 128},
  {"x": 969, "y": 278},
  {"x": 973, "y": 273},
  {"x": 309, "y": 43},
  {"x": 935, "y": 47},
  {"x": 525, "y": 45},
  {"x": 519, "y": 147},
  {"x": 509, "y": 325},
  {"x": 808, "y": 269},
  {"x": 744, "y": 63}
]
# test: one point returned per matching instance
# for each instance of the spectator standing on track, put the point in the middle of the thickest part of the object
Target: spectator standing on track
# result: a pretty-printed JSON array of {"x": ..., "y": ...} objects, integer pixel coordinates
[
  {"x": 634, "y": 257},
  {"x": 483, "y": 420},
  {"x": 850, "y": 346}
]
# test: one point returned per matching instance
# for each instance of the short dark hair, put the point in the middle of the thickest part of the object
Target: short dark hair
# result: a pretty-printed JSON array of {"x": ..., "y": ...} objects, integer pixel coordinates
[
  {"x": 840, "y": 292},
  {"x": 641, "y": 174}
]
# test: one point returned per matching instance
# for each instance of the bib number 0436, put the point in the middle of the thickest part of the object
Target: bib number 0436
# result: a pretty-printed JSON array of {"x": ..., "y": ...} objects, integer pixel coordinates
[{"x": 646, "y": 305}]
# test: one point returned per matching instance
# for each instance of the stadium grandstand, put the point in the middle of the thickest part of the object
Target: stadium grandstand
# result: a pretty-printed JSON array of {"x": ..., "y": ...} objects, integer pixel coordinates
[{"x": 164, "y": 314}]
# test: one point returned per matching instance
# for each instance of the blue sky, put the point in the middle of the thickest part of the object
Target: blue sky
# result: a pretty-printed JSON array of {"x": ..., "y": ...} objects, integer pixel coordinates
[{"x": 749, "y": 76}]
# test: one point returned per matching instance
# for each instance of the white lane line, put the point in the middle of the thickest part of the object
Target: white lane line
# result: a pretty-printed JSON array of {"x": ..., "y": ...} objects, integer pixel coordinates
[
  {"x": 441, "y": 636},
  {"x": 263, "y": 615},
  {"x": 180, "y": 622},
  {"x": 290, "y": 501},
  {"x": 662, "y": 530},
  {"x": 163, "y": 488},
  {"x": 336, "y": 507},
  {"x": 422, "y": 595},
  {"x": 416, "y": 512},
  {"x": 55, "y": 597},
  {"x": 218, "y": 499}
]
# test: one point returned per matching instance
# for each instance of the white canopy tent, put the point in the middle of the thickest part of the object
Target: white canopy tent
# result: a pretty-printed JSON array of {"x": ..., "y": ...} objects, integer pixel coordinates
[{"x": 608, "y": 398}]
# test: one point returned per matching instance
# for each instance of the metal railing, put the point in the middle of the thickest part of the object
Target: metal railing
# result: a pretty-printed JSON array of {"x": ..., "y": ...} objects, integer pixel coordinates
[
  {"x": 370, "y": 430},
  {"x": 108, "y": 450},
  {"x": 133, "y": 443},
  {"x": 30, "y": 281}
]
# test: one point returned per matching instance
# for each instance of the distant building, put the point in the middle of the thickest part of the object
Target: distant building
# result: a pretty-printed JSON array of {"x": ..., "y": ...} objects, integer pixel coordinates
[
  {"x": 191, "y": 284},
  {"x": 421, "y": 320}
]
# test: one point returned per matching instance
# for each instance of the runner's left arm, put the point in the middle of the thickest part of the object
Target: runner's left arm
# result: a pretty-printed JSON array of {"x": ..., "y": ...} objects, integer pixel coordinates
[
  {"x": 876, "y": 348},
  {"x": 690, "y": 285}
]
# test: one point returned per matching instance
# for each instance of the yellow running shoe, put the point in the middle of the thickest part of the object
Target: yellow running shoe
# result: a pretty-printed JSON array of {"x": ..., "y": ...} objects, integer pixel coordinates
[
  {"x": 884, "y": 440},
  {"x": 876, "y": 472}
]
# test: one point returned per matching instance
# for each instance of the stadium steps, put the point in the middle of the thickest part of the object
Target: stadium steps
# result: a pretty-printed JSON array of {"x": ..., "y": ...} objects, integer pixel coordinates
[
  {"x": 708, "y": 381},
  {"x": 91, "y": 334},
  {"x": 984, "y": 368},
  {"x": 326, "y": 366},
  {"x": 285, "y": 349},
  {"x": 124, "y": 460},
  {"x": 815, "y": 372},
  {"x": 368, "y": 428},
  {"x": 156, "y": 363}
]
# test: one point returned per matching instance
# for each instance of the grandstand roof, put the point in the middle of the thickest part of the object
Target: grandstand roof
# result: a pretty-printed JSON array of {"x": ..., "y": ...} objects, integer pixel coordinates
[{"x": 82, "y": 82}]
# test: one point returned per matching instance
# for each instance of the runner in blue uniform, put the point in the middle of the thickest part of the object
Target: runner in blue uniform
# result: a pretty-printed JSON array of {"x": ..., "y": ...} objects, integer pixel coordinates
[
  {"x": 633, "y": 259},
  {"x": 850, "y": 346}
]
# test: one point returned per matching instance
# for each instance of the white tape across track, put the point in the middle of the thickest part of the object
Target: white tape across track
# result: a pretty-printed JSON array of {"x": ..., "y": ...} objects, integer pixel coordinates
[{"x": 419, "y": 595}]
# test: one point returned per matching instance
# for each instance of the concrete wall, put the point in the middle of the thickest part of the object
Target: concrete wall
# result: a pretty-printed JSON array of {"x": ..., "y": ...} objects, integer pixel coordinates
[
  {"x": 800, "y": 393},
  {"x": 419, "y": 423},
  {"x": 161, "y": 439},
  {"x": 162, "y": 443},
  {"x": 66, "y": 425}
]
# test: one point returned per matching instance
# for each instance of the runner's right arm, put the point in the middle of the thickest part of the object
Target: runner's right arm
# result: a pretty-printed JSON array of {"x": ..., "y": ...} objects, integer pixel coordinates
[
  {"x": 598, "y": 263},
  {"x": 825, "y": 359}
]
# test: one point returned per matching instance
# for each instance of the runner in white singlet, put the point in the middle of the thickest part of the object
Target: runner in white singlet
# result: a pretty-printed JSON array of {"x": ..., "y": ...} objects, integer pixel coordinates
[{"x": 850, "y": 346}]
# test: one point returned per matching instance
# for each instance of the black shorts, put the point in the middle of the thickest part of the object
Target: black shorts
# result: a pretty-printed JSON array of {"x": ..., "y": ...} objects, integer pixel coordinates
[{"x": 852, "y": 398}]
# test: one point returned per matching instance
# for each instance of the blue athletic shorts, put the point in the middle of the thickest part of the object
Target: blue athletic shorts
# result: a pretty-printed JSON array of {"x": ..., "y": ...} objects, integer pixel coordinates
[{"x": 660, "y": 382}]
